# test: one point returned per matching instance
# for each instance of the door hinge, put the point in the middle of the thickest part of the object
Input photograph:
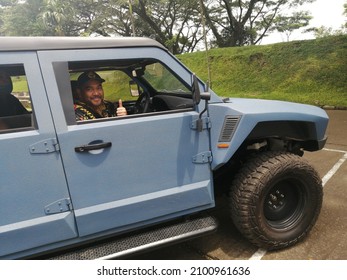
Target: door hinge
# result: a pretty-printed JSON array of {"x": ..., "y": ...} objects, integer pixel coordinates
[
  {"x": 204, "y": 157},
  {"x": 45, "y": 146},
  {"x": 200, "y": 124},
  {"x": 59, "y": 206}
]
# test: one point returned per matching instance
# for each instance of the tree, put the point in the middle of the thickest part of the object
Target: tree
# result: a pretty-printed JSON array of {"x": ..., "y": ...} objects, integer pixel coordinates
[
  {"x": 244, "y": 22},
  {"x": 38, "y": 18},
  {"x": 287, "y": 24},
  {"x": 323, "y": 31},
  {"x": 177, "y": 24},
  {"x": 174, "y": 23},
  {"x": 19, "y": 18},
  {"x": 106, "y": 18},
  {"x": 57, "y": 17}
]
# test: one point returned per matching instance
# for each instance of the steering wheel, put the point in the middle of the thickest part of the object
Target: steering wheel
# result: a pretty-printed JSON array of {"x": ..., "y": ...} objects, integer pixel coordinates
[{"x": 142, "y": 103}]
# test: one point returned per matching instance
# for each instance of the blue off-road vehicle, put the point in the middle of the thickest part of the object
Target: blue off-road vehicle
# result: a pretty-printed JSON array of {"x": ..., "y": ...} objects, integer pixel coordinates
[{"x": 108, "y": 187}]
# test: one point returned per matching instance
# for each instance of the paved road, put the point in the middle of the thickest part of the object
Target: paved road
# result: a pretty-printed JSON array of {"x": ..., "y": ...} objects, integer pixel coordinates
[{"x": 327, "y": 240}]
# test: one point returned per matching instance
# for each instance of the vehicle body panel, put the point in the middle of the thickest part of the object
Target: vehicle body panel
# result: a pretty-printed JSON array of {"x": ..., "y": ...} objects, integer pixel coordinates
[
  {"x": 254, "y": 111},
  {"x": 30, "y": 181},
  {"x": 149, "y": 165}
]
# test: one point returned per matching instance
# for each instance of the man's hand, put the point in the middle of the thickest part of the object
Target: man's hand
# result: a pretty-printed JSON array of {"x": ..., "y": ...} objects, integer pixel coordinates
[{"x": 121, "y": 111}]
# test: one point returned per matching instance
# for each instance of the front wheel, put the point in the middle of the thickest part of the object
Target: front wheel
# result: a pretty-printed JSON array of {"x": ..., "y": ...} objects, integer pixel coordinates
[{"x": 275, "y": 199}]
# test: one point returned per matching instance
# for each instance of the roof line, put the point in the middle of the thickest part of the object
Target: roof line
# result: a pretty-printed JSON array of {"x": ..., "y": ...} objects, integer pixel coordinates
[{"x": 61, "y": 43}]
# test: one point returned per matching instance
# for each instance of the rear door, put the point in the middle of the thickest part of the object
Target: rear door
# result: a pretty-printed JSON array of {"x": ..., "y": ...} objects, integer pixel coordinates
[
  {"x": 152, "y": 166},
  {"x": 34, "y": 198}
]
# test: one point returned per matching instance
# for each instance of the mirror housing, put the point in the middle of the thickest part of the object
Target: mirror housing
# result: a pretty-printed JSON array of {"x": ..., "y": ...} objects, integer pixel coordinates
[
  {"x": 196, "y": 90},
  {"x": 197, "y": 95}
]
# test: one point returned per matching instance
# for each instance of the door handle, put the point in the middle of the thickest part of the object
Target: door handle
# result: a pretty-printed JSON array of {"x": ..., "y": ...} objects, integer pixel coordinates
[{"x": 90, "y": 147}]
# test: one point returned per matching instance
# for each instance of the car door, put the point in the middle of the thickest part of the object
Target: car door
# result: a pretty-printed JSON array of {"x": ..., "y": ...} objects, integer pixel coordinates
[
  {"x": 128, "y": 172},
  {"x": 34, "y": 198}
]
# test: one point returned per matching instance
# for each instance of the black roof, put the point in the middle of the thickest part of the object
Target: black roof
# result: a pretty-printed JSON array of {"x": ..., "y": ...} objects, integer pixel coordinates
[{"x": 62, "y": 43}]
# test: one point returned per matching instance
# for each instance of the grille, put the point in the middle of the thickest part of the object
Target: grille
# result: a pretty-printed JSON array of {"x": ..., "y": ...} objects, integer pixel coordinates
[{"x": 229, "y": 127}]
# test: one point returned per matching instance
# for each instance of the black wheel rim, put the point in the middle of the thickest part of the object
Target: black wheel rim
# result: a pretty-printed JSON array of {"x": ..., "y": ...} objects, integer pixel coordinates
[{"x": 284, "y": 204}]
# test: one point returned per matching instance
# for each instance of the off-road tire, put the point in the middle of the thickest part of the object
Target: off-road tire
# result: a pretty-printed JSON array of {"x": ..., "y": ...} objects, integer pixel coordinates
[{"x": 275, "y": 199}]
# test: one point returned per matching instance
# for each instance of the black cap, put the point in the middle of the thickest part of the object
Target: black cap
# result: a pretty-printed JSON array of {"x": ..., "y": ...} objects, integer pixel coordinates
[{"x": 87, "y": 76}]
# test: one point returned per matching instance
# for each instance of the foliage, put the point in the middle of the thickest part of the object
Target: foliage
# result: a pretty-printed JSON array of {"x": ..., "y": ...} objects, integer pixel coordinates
[
  {"x": 20, "y": 19},
  {"x": 177, "y": 24},
  {"x": 56, "y": 17},
  {"x": 287, "y": 24},
  {"x": 321, "y": 32},
  {"x": 245, "y": 22},
  {"x": 174, "y": 23}
]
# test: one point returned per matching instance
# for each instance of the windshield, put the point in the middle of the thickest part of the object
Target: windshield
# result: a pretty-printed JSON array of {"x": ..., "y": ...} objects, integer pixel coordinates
[{"x": 162, "y": 80}]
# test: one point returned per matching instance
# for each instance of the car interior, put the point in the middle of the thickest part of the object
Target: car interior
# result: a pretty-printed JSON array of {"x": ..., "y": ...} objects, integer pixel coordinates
[{"x": 144, "y": 85}]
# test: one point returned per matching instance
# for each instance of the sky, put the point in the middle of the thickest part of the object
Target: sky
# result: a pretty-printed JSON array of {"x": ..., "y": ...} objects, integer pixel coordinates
[{"x": 328, "y": 13}]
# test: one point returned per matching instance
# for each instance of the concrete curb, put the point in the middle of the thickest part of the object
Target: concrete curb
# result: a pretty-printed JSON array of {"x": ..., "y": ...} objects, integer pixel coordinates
[{"x": 328, "y": 107}]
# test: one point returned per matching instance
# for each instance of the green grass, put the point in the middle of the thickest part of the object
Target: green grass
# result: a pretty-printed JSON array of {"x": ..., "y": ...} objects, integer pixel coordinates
[{"x": 312, "y": 71}]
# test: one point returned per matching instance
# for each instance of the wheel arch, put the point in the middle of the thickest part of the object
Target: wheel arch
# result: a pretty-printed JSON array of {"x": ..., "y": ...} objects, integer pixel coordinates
[{"x": 304, "y": 133}]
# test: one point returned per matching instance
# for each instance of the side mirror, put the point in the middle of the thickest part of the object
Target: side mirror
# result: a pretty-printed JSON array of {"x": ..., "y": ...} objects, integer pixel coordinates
[
  {"x": 134, "y": 89},
  {"x": 196, "y": 90},
  {"x": 197, "y": 95}
]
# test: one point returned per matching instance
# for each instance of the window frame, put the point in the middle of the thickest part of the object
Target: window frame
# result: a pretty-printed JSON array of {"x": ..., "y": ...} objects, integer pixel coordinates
[{"x": 59, "y": 60}]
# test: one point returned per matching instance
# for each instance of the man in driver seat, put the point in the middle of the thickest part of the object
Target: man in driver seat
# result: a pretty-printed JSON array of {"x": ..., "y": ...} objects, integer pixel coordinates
[{"x": 91, "y": 103}]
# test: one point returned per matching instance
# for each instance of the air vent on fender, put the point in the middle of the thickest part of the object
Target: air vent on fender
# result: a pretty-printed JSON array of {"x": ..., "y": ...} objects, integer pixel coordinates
[{"x": 228, "y": 129}]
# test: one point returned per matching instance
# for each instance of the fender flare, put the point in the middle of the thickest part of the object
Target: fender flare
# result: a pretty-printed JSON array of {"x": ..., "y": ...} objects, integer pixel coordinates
[{"x": 301, "y": 131}]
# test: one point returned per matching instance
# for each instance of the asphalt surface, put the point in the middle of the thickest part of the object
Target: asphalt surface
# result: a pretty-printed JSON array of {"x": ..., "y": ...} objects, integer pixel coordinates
[{"x": 326, "y": 241}]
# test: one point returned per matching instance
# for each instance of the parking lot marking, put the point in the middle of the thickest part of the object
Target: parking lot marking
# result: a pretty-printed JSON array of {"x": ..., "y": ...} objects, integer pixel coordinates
[
  {"x": 333, "y": 170},
  {"x": 334, "y": 150},
  {"x": 260, "y": 253}
]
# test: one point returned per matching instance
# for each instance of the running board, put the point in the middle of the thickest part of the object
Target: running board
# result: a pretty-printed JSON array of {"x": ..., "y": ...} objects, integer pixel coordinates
[{"x": 131, "y": 244}]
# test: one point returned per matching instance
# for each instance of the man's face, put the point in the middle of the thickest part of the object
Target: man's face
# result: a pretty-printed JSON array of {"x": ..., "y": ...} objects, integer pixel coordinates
[{"x": 92, "y": 93}]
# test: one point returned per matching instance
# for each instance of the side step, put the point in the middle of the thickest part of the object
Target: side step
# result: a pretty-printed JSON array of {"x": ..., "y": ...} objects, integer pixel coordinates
[{"x": 130, "y": 244}]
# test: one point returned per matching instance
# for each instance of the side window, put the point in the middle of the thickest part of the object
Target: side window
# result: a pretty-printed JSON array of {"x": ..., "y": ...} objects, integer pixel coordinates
[
  {"x": 109, "y": 89},
  {"x": 16, "y": 112}
]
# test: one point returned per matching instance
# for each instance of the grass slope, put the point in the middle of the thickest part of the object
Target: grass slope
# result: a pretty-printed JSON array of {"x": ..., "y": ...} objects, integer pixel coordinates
[{"x": 311, "y": 71}]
